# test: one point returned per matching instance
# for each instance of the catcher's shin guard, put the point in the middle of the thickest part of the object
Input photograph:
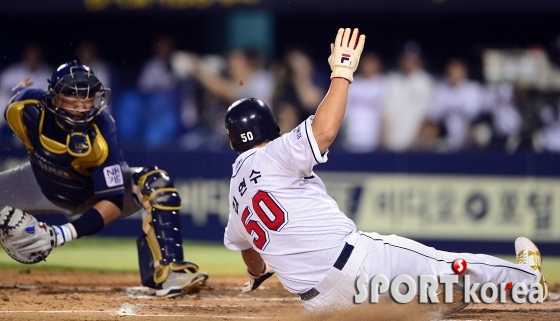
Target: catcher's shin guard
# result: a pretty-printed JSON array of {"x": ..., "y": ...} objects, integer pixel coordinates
[{"x": 159, "y": 250}]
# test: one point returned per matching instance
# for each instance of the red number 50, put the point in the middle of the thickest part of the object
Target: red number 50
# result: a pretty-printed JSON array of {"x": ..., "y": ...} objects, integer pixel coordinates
[{"x": 273, "y": 217}]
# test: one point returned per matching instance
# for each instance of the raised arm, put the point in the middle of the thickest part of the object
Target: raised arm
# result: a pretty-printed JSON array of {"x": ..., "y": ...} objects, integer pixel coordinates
[{"x": 344, "y": 59}]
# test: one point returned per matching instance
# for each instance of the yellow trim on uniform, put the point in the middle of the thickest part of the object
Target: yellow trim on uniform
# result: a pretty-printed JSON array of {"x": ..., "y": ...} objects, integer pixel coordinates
[
  {"x": 162, "y": 207},
  {"x": 97, "y": 156},
  {"x": 160, "y": 271},
  {"x": 163, "y": 189},
  {"x": 88, "y": 142},
  {"x": 142, "y": 178},
  {"x": 14, "y": 117},
  {"x": 50, "y": 144},
  {"x": 166, "y": 208},
  {"x": 193, "y": 268},
  {"x": 99, "y": 150},
  {"x": 146, "y": 226}
]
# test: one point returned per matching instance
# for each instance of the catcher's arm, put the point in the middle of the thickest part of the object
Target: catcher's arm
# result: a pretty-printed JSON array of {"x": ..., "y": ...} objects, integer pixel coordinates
[
  {"x": 29, "y": 241},
  {"x": 103, "y": 213},
  {"x": 257, "y": 269},
  {"x": 108, "y": 210}
]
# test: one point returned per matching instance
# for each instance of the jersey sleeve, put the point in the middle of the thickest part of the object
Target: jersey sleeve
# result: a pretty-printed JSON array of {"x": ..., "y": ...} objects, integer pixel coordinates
[
  {"x": 297, "y": 151},
  {"x": 108, "y": 177},
  {"x": 233, "y": 240}
]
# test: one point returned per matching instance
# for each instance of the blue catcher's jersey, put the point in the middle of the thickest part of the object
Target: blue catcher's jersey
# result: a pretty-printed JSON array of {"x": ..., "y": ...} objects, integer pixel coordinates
[{"x": 63, "y": 177}]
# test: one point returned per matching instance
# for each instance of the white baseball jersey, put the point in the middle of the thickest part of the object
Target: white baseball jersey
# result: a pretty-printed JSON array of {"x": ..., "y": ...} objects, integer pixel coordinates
[{"x": 280, "y": 208}]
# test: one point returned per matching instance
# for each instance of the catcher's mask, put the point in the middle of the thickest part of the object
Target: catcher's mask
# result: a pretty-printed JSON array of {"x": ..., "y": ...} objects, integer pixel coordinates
[
  {"x": 77, "y": 98},
  {"x": 249, "y": 122}
]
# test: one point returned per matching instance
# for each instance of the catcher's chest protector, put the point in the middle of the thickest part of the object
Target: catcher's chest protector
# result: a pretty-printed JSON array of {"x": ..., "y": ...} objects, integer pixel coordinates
[{"x": 63, "y": 178}]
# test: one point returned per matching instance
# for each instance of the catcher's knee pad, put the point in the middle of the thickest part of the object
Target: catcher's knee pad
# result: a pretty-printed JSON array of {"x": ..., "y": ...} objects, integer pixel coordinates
[
  {"x": 160, "y": 249},
  {"x": 154, "y": 188}
]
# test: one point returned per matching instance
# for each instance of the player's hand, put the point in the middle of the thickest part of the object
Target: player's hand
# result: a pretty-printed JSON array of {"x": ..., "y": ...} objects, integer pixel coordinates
[
  {"x": 256, "y": 280},
  {"x": 345, "y": 53},
  {"x": 26, "y": 82}
]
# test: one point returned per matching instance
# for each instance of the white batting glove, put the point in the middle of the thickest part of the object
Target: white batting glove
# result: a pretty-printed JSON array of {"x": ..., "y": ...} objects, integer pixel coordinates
[
  {"x": 345, "y": 53},
  {"x": 256, "y": 280}
]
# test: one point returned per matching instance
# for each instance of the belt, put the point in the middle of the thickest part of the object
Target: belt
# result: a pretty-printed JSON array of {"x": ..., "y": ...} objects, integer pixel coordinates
[{"x": 339, "y": 265}]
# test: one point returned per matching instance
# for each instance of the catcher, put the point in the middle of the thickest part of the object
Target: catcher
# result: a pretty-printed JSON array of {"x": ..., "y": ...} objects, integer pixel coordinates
[{"x": 76, "y": 167}]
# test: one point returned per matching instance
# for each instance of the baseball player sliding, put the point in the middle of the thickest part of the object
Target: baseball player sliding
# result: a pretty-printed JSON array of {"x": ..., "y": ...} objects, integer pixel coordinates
[
  {"x": 76, "y": 167},
  {"x": 283, "y": 221}
]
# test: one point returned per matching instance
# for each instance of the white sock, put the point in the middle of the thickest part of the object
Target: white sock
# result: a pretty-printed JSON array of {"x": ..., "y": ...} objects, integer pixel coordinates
[{"x": 64, "y": 233}]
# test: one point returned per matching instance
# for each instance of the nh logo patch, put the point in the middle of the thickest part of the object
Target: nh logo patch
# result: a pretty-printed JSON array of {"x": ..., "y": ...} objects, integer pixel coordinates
[
  {"x": 344, "y": 58},
  {"x": 113, "y": 175}
]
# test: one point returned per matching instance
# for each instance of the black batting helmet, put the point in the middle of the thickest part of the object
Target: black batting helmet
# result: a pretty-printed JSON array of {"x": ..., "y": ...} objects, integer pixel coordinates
[{"x": 249, "y": 122}]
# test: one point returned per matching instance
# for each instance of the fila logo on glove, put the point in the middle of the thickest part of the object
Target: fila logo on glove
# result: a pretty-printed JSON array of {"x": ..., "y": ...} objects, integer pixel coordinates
[{"x": 345, "y": 57}]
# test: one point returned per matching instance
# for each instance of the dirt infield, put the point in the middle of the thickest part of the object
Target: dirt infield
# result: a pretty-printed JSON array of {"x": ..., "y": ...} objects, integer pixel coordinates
[{"x": 71, "y": 295}]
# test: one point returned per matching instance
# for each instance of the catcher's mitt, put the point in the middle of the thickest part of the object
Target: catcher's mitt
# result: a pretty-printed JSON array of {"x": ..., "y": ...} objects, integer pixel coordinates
[{"x": 24, "y": 238}]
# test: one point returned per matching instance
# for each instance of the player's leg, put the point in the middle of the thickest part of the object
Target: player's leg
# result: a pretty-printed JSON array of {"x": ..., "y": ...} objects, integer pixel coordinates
[
  {"x": 393, "y": 255},
  {"x": 528, "y": 254},
  {"x": 160, "y": 250}
]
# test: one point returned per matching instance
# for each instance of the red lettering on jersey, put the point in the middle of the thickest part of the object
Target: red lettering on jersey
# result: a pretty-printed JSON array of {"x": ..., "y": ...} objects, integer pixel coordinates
[
  {"x": 279, "y": 213},
  {"x": 255, "y": 228}
]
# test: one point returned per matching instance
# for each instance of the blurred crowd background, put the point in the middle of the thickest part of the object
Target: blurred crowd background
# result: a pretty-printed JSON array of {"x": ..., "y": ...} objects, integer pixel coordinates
[{"x": 435, "y": 77}]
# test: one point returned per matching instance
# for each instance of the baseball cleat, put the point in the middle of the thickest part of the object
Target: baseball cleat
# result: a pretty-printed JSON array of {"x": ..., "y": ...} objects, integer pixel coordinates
[
  {"x": 528, "y": 253},
  {"x": 178, "y": 281}
]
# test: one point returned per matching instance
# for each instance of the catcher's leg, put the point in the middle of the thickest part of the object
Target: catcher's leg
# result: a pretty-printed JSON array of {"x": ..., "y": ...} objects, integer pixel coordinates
[{"x": 160, "y": 252}]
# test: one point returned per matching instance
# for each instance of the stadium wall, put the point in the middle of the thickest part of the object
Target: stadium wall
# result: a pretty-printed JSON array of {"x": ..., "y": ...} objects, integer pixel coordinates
[{"x": 463, "y": 202}]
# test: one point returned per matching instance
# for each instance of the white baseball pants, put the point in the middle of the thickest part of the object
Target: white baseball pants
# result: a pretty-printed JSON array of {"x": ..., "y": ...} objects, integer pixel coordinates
[{"x": 392, "y": 255}]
